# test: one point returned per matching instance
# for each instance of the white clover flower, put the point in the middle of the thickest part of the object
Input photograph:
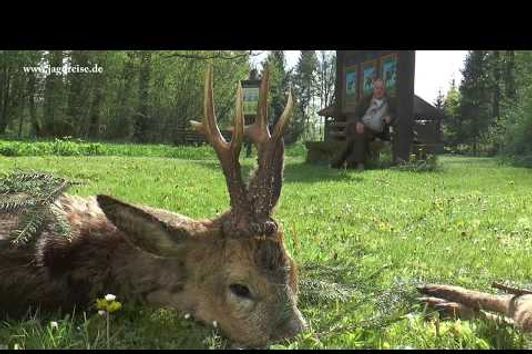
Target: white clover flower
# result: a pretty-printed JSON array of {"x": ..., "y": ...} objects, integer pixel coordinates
[
  {"x": 187, "y": 316},
  {"x": 215, "y": 324},
  {"x": 101, "y": 313},
  {"x": 54, "y": 325},
  {"x": 110, "y": 297}
]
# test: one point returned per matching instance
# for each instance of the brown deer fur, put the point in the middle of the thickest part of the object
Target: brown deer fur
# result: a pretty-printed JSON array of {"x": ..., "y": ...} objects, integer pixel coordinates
[{"x": 233, "y": 269}]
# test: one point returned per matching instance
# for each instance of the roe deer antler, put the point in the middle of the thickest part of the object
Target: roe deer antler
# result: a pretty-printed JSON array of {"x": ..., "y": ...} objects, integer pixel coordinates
[
  {"x": 251, "y": 207},
  {"x": 265, "y": 186},
  {"x": 240, "y": 216}
]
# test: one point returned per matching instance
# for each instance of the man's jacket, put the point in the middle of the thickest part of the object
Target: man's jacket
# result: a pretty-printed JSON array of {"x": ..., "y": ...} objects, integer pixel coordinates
[{"x": 364, "y": 103}]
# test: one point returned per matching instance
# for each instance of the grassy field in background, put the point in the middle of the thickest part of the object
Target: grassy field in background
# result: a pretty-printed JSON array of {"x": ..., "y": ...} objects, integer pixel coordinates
[
  {"x": 362, "y": 241},
  {"x": 77, "y": 147}
]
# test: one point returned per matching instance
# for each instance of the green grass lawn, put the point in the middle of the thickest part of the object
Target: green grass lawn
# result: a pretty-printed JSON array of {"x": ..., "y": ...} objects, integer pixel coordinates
[{"x": 362, "y": 240}]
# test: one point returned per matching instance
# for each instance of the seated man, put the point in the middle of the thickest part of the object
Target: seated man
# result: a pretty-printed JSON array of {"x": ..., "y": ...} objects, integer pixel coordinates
[{"x": 372, "y": 115}]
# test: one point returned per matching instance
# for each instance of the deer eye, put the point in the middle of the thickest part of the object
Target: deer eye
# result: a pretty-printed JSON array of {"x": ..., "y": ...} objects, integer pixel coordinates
[{"x": 240, "y": 290}]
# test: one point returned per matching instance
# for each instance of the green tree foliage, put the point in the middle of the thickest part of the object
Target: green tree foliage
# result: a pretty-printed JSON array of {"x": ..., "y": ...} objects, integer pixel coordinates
[
  {"x": 143, "y": 96},
  {"x": 326, "y": 77},
  {"x": 148, "y": 96},
  {"x": 142, "y": 115},
  {"x": 306, "y": 88},
  {"x": 312, "y": 83},
  {"x": 491, "y": 98},
  {"x": 475, "y": 99},
  {"x": 78, "y": 90},
  {"x": 279, "y": 83},
  {"x": 440, "y": 100},
  {"x": 516, "y": 125},
  {"x": 451, "y": 123},
  {"x": 55, "y": 94},
  {"x": 14, "y": 87}
]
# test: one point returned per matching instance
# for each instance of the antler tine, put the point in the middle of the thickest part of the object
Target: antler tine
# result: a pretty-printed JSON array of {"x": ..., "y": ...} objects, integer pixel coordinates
[
  {"x": 228, "y": 153},
  {"x": 210, "y": 125},
  {"x": 265, "y": 186},
  {"x": 258, "y": 132},
  {"x": 282, "y": 124},
  {"x": 238, "y": 129},
  {"x": 264, "y": 92}
]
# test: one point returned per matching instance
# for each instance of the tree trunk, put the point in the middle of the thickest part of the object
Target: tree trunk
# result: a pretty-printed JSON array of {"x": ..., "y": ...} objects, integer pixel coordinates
[
  {"x": 6, "y": 87},
  {"x": 509, "y": 77},
  {"x": 19, "y": 102},
  {"x": 51, "y": 96},
  {"x": 496, "y": 86},
  {"x": 142, "y": 115},
  {"x": 95, "y": 113},
  {"x": 35, "y": 124},
  {"x": 20, "y": 124},
  {"x": 121, "y": 127},
  {"x": 2, "y": 86},
  {"x": 76, "y": 108}
]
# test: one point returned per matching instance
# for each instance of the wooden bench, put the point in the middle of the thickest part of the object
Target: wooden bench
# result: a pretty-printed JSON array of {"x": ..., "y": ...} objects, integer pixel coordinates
[{"x": 192, "y": 137}]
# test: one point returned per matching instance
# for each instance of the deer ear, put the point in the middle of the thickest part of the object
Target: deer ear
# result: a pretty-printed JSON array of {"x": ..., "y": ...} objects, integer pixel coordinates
[{"x": 143, "y": 229}]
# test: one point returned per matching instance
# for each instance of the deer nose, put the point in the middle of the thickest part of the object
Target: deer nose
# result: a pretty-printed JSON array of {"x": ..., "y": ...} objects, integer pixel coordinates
[{"x": 294, "y": 326}]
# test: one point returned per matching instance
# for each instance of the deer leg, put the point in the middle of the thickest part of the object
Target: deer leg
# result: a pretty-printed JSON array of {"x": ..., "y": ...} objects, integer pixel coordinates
[
  {"x": 452, "y": 309},
  {"x": 473, "y": 299},
  {"x": 457, "y": 310},
  {"x": 517, "y": 309}
]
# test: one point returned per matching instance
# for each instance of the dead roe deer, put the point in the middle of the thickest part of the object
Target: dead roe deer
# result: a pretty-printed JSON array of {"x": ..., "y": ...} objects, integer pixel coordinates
[{"x": 233, "y": 269}]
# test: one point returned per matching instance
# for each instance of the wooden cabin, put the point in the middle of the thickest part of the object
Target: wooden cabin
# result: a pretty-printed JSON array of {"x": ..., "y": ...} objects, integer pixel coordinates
[{"x": 417, "y": 127}]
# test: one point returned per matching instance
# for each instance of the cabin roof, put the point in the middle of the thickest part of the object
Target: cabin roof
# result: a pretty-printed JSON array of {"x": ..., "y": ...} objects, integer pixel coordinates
[{"x": 426, "y": 110}]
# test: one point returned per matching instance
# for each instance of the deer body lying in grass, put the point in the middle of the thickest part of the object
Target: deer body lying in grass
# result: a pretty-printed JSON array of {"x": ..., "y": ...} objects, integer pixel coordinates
[
  {"x": 514, "y": 309},
  {"x": 233, "y": 269}
]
